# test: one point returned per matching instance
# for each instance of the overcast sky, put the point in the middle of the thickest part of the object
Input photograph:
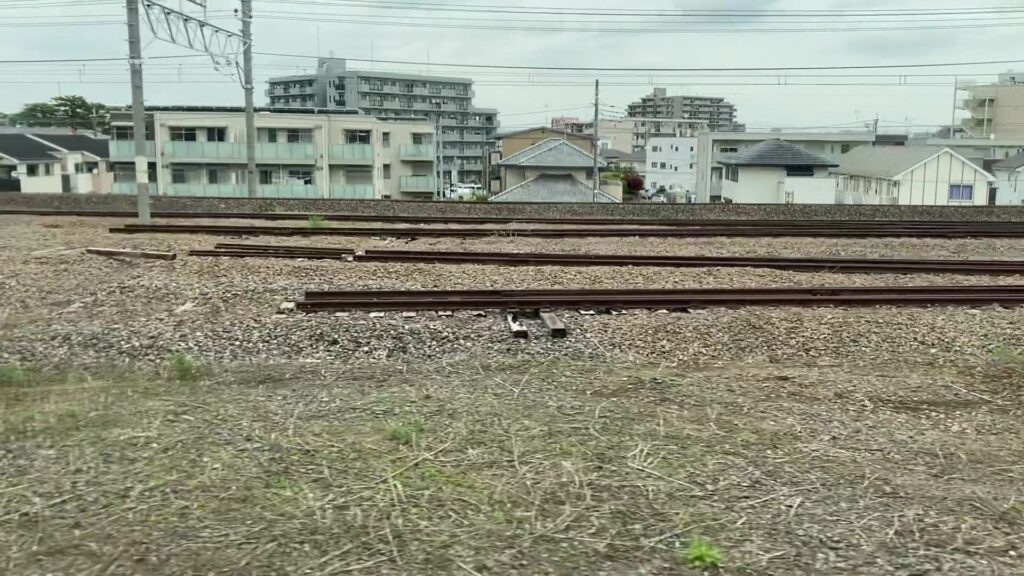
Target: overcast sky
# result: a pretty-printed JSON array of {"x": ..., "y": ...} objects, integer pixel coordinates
[{"x": 95, "y": 28}]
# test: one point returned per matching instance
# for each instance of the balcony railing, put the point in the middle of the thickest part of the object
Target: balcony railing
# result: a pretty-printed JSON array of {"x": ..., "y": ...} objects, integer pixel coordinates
[
  {"x": 417, "y": 152},
  {"x": 361, "y": 154},
  {"x": 235, "y": 151},
  {"x": 242, "y": 191},
  {"x": 418, "y": 184},
  {"x": 124, "y": 150},
  {"x": 353, "y": 191},
  {"x": 130, "y": 188}
]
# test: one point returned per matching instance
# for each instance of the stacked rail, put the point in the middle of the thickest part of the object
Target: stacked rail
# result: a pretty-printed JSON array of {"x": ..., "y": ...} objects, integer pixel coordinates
[
  {"x": 380, "y": 300},
  {"x": 797, "y": 264},
  {"x": 812, "y": 229}
]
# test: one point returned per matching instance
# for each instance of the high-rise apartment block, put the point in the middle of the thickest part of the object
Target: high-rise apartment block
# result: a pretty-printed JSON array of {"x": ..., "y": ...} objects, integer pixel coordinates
[
  {"x": 706, "y": 112},
  {"x": 996, "y": 110},
  {"x": 465, "y": 130}
]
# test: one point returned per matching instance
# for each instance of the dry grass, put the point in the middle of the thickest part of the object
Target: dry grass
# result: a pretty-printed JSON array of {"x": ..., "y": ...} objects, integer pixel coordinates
[{"x": 514, "y": 468}]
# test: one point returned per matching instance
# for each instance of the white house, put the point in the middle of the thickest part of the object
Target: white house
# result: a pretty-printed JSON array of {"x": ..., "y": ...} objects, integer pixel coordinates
[
  {"x": 55, "y": 163},
  {"x": 1008, "y": 174},
  {"x": 552, "y": 170},
  {"x": 910, "y": 176},
  {"x": 777, "y": 172},
  {"x": 672, "y": 163}
]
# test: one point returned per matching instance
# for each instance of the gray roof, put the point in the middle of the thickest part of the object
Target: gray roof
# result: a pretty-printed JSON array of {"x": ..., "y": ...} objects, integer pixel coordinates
[
  {"x": 552, "y": 153},
  {"x": 776, "y": 153},
  {"x": 636, "y": 156},
  {"x": 21, "y": 147},
  {"x": 1011, "y": 163},
  {"x": 554, "y": 188},
  {"x": 610, "y": 153},
  {"x": 884, "y": 161},
  {"x": 78, "y": 143}
]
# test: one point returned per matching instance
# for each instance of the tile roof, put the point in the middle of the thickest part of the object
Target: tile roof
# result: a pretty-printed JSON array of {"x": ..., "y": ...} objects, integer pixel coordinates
[
  {"x": 78, "y": 143},
  {"x": 1011, "y": 163},
  {"x": 553, "y": 188},
  {"x": 552, "y": 153},
  {"x": 884, "y": 161},
  {"x": 21, "y": 147},
  {"x": 775, "y": 153}
]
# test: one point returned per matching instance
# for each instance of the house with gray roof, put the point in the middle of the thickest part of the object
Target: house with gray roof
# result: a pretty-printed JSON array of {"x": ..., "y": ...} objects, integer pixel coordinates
[
  {"x": 1009, "y": 188},
  {"x": 553, "y": 170},
  {"x": 777, "y": 172},
  {"x": 55, "y": 163},
  {"x": 910, "y": 176}
]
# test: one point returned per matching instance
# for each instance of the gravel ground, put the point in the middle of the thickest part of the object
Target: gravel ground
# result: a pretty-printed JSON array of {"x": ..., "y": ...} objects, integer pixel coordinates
[
  {"x": 797, "y": 440},
  {"x": 64, "y": 305}
]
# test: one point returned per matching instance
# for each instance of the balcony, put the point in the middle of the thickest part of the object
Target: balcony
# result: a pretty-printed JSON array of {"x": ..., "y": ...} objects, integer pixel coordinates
[
  {"x": 242, "y": 191},
  {"x": 354, "y": 154},
  {"x": 418, "y": 184},
  {"x": 353, "y": 192},
  {"x": 417, "y": 152},
  {"x": 235, "y": 151},
  {"x": 124, "y": 150}
]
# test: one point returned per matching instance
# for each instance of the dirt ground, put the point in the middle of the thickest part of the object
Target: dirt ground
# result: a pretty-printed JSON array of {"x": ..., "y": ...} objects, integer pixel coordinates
[{"x": 896, "y": 446}]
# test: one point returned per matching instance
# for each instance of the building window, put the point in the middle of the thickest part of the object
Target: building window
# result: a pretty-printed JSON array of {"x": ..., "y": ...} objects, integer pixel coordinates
[
  {"x": 183, "y": 134},
  {"x": 691, "y": 166},
  {"x": 961, "y": 192},
  {"x": 844, "y": 148},
  {"x": 216, "y": 135},
  {"x": 357, "y": 136},
  {"x": 32, "y": 170},
  {"x": 385, "y": 138},
  {"x": 47, "y": 169},
  {"x": 213, "y": 176},
  {"x": 732, "y": 174},
  {"x": 729, "y": 150},
  {"x": 268, "y": 176},
  {"x": 800, "y": 171},
  {"x": 661, "y": 165},
  {"x": 407, "y": 87},
  {"x": 303, "y": 175},
  {"x": 270, "y": 134},
  {"x": 300, "y": 136},
  {"x": 178, "y": 176},
  {"x": 654, "y": 164},
  {"x": 655, "y": 148},
  {"x": 387, "y": 171},
  {"x": 122, "y": 133}
]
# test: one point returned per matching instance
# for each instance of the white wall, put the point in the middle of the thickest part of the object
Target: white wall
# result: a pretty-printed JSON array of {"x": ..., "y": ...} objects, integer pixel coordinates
[
  {"x": 679, "y": 155},
  {"x": 770, "y": 185},
  {"x": 1010, "y": 185},
  {"x": 807, "y": 190},
  {"x": 928, "y": 184},
  {"x": 40, "y": 184}
]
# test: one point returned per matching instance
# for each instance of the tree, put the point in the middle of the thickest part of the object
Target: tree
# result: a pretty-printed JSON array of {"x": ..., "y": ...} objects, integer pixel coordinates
[
  {"x": 632, "y": 182},
  {"x": 73, "y": 112}
]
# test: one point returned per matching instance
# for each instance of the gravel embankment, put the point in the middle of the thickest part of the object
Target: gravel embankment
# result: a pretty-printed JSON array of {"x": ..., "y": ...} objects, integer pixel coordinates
[{"x": 63, "y": 305}]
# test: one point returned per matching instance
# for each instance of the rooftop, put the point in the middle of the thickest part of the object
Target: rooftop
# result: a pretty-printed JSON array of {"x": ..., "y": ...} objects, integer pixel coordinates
[
  {"x": 884, "y": 161},
  {"x": 552, "y": 153},
  {"x": 1011, "y": 163},
  {"x": 776, "y": 153},
  {"x": 561, "y": 188},
  {"x": 20, "y": 147}
]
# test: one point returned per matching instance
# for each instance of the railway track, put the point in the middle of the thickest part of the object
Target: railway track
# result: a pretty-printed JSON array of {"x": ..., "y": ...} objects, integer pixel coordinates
[
  {"x": 854, "y": 265},
  {"x": 875, "y": 230},
  {"x": 338, "y": 301},
  {"x": 407, "y": 219}
]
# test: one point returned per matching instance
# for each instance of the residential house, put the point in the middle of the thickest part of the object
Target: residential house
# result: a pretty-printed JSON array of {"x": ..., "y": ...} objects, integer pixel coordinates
[
  {"x": 201, "y": 151},
  {"x": 672, "y": 164},
  {"x": 910, "y": 176},
  {"x": 444, "y": 101},
  {"x": 55, "y": 163},
  {"x": 712, "y": 146},
  {"x": 1008, "y": 174},
  {"x": 777, "y": 172},
  {"x": 511, "y": 143},
  {"x": 553, "y": 170}
]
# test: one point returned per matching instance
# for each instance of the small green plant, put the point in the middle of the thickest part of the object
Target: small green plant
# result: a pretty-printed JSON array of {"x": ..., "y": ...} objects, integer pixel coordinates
[
  {"x": 479, "y": 197},
  {"x": 1009, "y": 359},
  {"x": 703, "y": 556},
  {"x": 316, "y": 221},
  {"x": 12, "y": 375},
  {"x": 407, "y": 433},
  {"x": 181, "y": 368}
]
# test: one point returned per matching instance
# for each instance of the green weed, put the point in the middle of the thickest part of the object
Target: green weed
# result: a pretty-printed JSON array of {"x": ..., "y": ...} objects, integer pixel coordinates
[
  {"x": 407, "y": 433},
  {"x": 12, "y": 375},
  {"x": 181, "y": 368},
  {"x": 703, "y": 556},
  {"x": 316, "y": 221},
  {"x": 1009, "y": 359}
]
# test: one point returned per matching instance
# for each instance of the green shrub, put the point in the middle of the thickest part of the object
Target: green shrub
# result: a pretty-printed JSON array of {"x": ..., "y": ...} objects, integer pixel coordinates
[
  {"x": 407, "y": 433},
  {"x": 316, "y": 221},
  {"x": 12, "y": 375}
]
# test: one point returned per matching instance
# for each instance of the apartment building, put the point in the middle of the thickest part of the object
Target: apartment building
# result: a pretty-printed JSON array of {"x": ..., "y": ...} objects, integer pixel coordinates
[
  {"x": 201, "y": 151},
  {"x": 672, "y": 164},
  {"x": 612, "y": 134},
  {"x": 465, "y": 130},
  {"x": 714, "y": 146},
  {"x": 715, "y": 114},
  {"x": 995, "y": 110}
]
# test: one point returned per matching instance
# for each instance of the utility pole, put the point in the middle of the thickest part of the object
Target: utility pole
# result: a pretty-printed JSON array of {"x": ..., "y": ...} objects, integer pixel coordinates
[
  {"x": 952, "y": 121},
  {"x": 874, "y": 126},
  {"x": 250, "y": 113},
  {"x": 597, "y": 136},
  {"x": 138, "y": 110}
]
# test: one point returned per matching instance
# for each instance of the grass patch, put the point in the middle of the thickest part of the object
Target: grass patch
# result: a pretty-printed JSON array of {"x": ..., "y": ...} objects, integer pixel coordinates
[
  {"x": 703, "y": 556},
  {"x": 1014, "y": 360},
  {"x": 182, "y": 368},
  {"x": 12, "y": 375},
  {"x": 316, "y": 221},
  {"x": 407, "y": 433}
]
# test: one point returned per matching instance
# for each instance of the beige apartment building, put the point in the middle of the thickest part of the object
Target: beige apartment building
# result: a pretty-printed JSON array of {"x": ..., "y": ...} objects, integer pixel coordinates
[
  {"x": 996, "y": 110},
  {"x": 201, "y": 151}
]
